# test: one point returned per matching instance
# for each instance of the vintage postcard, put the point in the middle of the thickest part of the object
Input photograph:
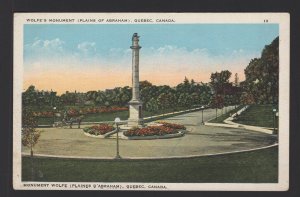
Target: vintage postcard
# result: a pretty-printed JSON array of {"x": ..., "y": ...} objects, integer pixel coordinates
[{"x": 151, "y": 101}]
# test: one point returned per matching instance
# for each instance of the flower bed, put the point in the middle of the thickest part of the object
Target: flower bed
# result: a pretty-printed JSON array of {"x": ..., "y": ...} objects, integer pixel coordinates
[
  {"x": 100, "y": 129},
  {"x": 172, "y": 125},
  {"x": 43, "y": 114},
  {"x": 73, "y": 112},
  {"x": 164, "y": 129},
  {"x": 93, "y": 110}
]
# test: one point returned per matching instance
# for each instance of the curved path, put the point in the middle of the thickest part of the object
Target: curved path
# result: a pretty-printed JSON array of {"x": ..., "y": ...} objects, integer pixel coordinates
[{"x": 199, "y": 140}]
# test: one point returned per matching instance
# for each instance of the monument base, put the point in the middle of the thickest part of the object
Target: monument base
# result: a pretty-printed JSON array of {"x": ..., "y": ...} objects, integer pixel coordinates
[
  {"x": 135, "y": 123},
  {"x": 135, "y": 114}
]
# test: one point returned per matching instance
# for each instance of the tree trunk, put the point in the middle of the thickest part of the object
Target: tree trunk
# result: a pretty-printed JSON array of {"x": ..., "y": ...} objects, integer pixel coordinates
[{"x": 32, "y": 168}]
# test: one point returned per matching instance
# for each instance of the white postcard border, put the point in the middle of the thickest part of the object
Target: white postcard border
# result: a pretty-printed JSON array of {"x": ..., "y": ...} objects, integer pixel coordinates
[{"x": 283, "y": 19}]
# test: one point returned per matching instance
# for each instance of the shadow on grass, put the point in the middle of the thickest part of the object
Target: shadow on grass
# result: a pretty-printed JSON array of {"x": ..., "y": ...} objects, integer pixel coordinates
[{"x": 249, "y": 167}]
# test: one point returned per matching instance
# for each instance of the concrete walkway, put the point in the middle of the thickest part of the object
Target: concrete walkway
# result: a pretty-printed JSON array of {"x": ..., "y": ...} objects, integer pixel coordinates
[{"x": 199, "y": 140}]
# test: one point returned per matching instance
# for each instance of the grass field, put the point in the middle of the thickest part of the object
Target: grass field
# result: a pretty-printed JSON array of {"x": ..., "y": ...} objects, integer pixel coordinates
[
  {"x": 98, "y": 117},
  {"x": 258, "y": 115},
  {"x": 249, "y": 167}
]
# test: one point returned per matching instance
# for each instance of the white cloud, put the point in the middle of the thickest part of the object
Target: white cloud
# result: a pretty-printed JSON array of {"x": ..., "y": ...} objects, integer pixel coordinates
[
  {"x": 38, "y": 44},
  {"x": 87, "y": 47},
  {"x": 41, "y": 50}
]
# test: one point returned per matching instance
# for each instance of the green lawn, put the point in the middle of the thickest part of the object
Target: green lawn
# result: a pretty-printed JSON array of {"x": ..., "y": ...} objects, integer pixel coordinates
[
  {"x": 250, "y": 167},
  {"x": 258, "y": 115},
  {"x": 221, "y": 118},
  {"x": 45, "y": 120},
  {"x": 105, "y": 116},
  {"x": 98, "y": 117}
]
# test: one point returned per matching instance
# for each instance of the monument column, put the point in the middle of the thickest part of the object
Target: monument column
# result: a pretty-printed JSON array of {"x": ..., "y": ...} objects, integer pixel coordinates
[{"x": 135, "y": 105}]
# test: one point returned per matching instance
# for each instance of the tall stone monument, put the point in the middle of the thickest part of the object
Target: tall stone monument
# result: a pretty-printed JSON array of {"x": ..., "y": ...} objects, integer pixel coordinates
[{"x": 135, "y": 105}]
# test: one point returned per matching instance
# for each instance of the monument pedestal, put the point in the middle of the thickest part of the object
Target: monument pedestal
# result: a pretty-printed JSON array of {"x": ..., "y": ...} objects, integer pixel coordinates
[{"x": 135, "y": 114}]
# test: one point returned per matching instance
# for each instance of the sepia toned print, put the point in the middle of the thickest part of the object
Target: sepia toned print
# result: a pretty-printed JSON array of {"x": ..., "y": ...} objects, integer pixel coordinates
[{"x": 152, "y": 101}]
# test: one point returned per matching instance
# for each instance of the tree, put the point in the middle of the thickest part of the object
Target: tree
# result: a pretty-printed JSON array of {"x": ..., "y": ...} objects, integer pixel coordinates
[
  {"x": 29, "y": 97},
  {"x": 221, "y": 87},
  {"x": 247, "y": 98},
  {"x": 184, "y": 87},
  {"x": 100, "y": 100},
  {"x": 219, "y": 80},
  {"x": 30, "y": 135},
  {"x": 69, "y": 98},
  {"x": 262, "y": 75},
  {"x": 148, "y": 92},
  {"x": 185, "y": 100},
  {"x": 217, "y": 102},
  {"x": 165, "y": 100},
  {"x": 205, "y": 98},
  {"x": 152, "y": 105},
  {"x": 196, "y": 98},
  {"x": 144, "y": 84}
]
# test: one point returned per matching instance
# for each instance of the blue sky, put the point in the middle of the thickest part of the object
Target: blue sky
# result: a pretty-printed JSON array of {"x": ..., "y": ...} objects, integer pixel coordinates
[{"x": 202, "y": 48}]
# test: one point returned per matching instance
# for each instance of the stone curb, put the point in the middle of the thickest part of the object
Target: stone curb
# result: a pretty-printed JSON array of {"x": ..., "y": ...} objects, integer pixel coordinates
[
  {"x": 106, "y": 135},
  {"x": 179, "y": 134},
  {"x": 220, "y": 125},
  {"x": 123, "y": 137},
  {"x": 149, "y": 158},
  {"x": 248, "y": 127}
]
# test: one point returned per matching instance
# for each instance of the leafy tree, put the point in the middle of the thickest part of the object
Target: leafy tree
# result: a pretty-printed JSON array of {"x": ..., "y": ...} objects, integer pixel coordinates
[
  {"x": 152, "y": 105},
  {"x": 217, "y": 102},
  {"x": 69, "y": 98},
  {"x": 205, "y": 98},
  {"x": 262, "y": 75},
  {"x": 100, "y": 100},
  {"x": 29, "y": 97},
  {"x": 247, "y": 98},
  {"x": 185, "y": 100},
  {"x": 30, "y": 135},
  {"x": 219, "y": 81},
  {"x": 196, "y": 98},
  {"x": 221, "y": 87},
  {"x": 144, "y": 84},
  {"x": 125, "y": 98},
  {"x": 184, "y": 87},
  {"x": 33, "y": 97},
  {"x": 165, "y": 100},
  {"x": 148, "y": 92}
]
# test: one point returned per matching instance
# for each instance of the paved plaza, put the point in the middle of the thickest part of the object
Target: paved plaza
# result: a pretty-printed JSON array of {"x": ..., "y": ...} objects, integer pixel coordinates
[{"x": 198, "y": 140}]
